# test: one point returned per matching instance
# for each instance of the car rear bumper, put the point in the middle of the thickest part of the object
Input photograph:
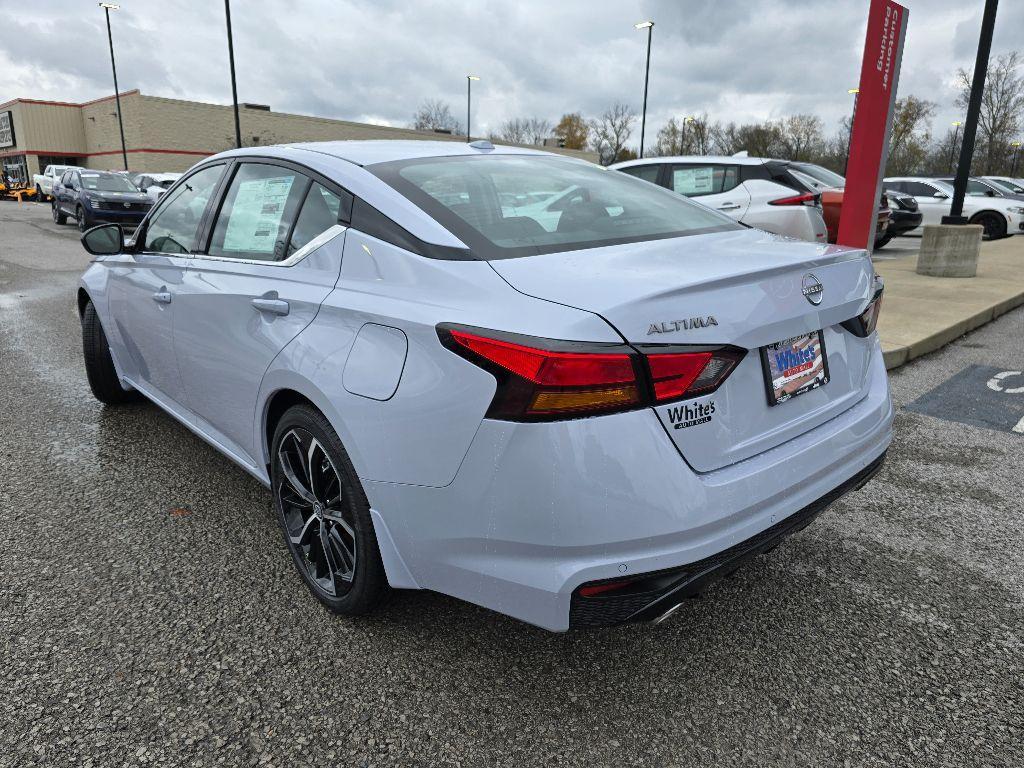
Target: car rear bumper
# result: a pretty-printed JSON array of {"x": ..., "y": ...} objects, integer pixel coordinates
[
  {"x": 656, "y": 595},
  {"x": 537, "y": 510},
  {"x": 901, "y": 222}
]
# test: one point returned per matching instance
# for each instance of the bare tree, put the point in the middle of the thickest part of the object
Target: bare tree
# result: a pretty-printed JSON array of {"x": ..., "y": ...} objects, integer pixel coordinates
[
  {"x": 514, "y": 131},
  {"x": 801, "y": 136},
  {"x": 538, "y": 129},
  {"x": 436, "y": 115},
  {"x": 611, "y": 132},
  {"x": 910, "y": 137},
  {"x": 1002, "y": 109},
  {"x": 757, "y": 139}
]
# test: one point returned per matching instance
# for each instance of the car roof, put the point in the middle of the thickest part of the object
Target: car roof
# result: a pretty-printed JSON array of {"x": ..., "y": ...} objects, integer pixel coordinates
[
  {"x": 724, "y": 159},
  {"x": 383, "y": 151}
]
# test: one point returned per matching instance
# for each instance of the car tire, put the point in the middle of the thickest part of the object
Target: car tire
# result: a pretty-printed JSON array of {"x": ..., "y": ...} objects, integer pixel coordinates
[
  {"x": 886, "y": 239},
  {"x": 40, "y": 197},
  {"x": 99, "y": 366},
  {"x": 59, "y": 217},
  {"x": 993, "y": 224},
  {"x": 81, "y": 219},
  {"x": 324, "y": 514}
]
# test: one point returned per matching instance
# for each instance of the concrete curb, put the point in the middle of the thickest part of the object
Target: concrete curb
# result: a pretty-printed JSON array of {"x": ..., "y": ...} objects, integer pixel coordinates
[{"x": 998, "y": 289}]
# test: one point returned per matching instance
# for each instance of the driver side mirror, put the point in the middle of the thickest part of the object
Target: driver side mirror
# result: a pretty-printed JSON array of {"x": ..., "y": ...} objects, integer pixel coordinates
[
  {"x": 941, "y": 196},
  {"x": 104, "y": 240}
]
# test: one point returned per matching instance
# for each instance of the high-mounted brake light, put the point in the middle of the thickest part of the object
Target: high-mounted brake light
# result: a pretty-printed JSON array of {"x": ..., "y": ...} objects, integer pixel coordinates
[
  {"x": 805, "y": 199},
  {"x": 544, "y": 380}
]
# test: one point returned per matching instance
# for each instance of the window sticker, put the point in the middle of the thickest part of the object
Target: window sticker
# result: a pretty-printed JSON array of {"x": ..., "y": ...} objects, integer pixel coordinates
[
  {"x": 693, "y": 181},
  {"x": 256, "y": 214}
]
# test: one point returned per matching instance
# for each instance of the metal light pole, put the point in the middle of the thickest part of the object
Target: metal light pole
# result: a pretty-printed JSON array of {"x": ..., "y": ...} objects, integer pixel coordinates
[
  {"x": 649, "y": 26},
  {"x": 682, "y": 130},
  {"x": 107, "y": 8},
  {"x": 234, "y": 85},
  {"x": 469, "y": 99},
  {"x": 855, "y": 92},
  {"x": 952, "y": 149},
  {"x": 1016, "y": 154},
  {"x": 988, "y": 23}
]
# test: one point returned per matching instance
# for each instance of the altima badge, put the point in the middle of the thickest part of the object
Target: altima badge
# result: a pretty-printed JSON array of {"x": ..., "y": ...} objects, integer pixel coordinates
[
  {"x": 812, "y": 289},
  {"x": 682, "y": 325}
]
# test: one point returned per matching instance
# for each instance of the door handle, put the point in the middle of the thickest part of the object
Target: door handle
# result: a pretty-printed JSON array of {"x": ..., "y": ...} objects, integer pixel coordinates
[
  {"x": 162, "y": 297},
  {"x": 728, "y": 206},
  {"x": 272, "y": 306}
]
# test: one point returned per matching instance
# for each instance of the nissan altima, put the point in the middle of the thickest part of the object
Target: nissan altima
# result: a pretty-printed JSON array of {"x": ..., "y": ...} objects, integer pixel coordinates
[{"x": 579, "y": 417}]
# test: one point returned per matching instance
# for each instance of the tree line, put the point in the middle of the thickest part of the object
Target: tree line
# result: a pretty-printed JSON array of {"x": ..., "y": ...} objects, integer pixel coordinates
[{"x": 913, "y": 147}]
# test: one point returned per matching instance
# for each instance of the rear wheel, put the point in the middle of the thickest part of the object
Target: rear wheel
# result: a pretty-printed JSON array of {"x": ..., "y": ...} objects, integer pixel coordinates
[
  {"x": 993, "y": 224},
  {"x": 324, "y": 514},
  {"x": 99, "y": 366},
  {"x": 59, "y": 217}
]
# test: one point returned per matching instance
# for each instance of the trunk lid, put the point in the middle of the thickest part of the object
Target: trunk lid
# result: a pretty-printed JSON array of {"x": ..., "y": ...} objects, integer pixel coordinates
[{"x": 741, "y": 288}]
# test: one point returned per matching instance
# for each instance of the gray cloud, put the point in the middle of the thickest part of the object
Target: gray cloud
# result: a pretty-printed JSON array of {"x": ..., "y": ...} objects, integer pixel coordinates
[{"x": 735, "y": 59}]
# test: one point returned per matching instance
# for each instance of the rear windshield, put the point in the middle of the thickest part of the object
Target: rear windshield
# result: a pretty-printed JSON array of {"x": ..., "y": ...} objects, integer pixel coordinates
[
  {"x": 113, "y": 182},
  {"x": 821, "y": 175},
  {"x": 505, "y": 206}
]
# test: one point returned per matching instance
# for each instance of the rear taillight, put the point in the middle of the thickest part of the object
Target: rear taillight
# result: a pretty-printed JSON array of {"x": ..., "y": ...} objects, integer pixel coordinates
[
  {"x": 805, "y": 199},
  {"x": 544, "y": 380},
  {"x": 864, "y": 324}
]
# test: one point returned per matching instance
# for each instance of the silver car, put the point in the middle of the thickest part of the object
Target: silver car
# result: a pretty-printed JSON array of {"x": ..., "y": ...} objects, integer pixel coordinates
[{"x": 577, "y": 419}]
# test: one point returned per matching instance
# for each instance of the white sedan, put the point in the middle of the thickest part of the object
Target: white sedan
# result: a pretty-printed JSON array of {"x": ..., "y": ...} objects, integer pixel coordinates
[{"x": 999, "y": 216}]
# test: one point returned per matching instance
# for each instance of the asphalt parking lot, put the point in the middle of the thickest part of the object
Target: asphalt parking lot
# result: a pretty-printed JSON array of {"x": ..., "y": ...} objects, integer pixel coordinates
[{"x": 149, "y": 613}]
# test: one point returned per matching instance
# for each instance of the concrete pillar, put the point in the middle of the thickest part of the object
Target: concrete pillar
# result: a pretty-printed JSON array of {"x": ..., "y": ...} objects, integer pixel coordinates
[{"x": 950, "y": 250}]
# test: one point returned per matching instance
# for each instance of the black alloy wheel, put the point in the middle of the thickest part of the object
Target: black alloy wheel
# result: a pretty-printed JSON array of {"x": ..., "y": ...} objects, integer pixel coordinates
[
  {"x": 59, "y": 217},
  {"x": 993, "y": 225},
  {"x": 324, "y": 514},
  {"x": 83, "y": 223}
]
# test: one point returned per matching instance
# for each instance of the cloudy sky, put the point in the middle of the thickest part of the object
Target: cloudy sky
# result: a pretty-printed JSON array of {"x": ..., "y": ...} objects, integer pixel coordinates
[{"x": 375, "y": 60}]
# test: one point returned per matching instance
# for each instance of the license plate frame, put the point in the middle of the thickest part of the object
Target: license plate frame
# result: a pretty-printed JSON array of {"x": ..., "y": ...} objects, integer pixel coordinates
[{"x": 804, "y": 381}]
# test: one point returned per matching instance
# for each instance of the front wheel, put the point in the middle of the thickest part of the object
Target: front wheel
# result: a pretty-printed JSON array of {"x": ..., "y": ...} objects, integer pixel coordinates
[
  {"x": 99, "y": 365},
  {"x": 993, "y": 225},
  {"x": 82, "y": 219},
  {"x": 886, "y": 239},
  {"x": 59, "y": 217},
  {"x": 324, "y": 514},
  {"x": 40, "y": 197}
]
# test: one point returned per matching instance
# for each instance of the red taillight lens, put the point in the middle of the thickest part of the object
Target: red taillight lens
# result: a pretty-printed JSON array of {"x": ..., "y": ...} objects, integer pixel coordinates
[
  {"x": 806, "y": 199},
  {"x": 535, "y": 383},
  {"x": 676, "y": 375},
  {"x": 542, "y": 380}
]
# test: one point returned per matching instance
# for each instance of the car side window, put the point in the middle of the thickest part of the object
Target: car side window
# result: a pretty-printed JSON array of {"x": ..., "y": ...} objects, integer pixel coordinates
[
  {"x": 320, "y": 211},
  {"x": 979, "y": 189},
  {"x": 257, "y": 213},
  {"x": 919, "y": 189},
  {"x": 645, "y": 172},
  {"x": 173, "y": 228},
  {"x": 697, "y": 180}
]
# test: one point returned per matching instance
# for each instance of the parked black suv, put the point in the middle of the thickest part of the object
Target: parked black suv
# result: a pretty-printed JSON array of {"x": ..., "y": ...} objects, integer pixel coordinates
[{"x": 91, "y": 197}]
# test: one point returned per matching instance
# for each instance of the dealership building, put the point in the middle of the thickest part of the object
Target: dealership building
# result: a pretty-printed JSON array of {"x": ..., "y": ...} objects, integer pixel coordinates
[{"x": 161, "y": 134}]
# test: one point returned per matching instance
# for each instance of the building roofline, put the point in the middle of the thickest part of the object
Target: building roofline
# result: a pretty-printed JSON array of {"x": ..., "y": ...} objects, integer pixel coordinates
[{"x": 43, "y": 102}]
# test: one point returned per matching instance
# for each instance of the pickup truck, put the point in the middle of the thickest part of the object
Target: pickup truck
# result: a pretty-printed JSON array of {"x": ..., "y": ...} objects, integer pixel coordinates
[{"x": 44, "y": 181}]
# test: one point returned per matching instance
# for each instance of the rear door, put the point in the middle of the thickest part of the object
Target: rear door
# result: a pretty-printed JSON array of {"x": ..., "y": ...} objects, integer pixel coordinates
[
  {"x": 715, "y": 185},
  {"x": 273, "y": 254}
]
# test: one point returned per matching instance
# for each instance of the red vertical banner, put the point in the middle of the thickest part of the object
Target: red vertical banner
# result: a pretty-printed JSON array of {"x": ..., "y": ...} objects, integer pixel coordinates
[{"x": 872, "y": 123}]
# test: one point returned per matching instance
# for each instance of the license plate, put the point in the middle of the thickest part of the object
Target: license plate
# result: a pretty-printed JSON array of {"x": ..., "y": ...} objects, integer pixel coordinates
[{"x": 794, "y": 366}]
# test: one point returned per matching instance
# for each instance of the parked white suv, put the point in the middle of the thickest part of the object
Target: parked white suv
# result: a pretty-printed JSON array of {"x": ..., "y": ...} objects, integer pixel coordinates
[
  {"x": 752, "y": 190},
  {"x": 1000, "y": 216}
]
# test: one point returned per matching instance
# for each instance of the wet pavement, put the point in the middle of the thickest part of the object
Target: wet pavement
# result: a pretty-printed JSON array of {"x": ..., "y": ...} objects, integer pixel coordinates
[{"x": 149, "y": 612}]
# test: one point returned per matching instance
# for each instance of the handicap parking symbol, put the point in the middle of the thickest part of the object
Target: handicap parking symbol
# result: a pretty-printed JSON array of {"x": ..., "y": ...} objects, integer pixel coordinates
[{"x": 980, "y": 395}]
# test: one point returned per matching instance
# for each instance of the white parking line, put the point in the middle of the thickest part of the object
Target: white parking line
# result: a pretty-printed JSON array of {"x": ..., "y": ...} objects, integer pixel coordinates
[{"x": 1020, "y": 427}]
